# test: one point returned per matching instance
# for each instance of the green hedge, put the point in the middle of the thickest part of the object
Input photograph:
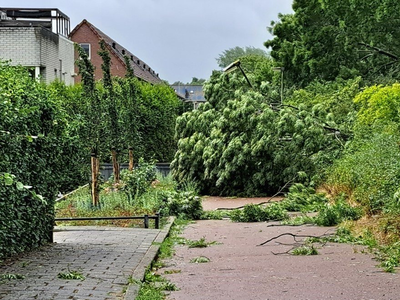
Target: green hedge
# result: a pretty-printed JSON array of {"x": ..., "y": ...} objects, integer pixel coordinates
[
  {"x": 26, "y": 218},
  {"x": 37, "y": 146}
]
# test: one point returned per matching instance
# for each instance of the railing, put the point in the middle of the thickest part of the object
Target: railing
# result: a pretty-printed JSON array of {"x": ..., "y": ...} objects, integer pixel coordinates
[{"x": 145, "y": 218}]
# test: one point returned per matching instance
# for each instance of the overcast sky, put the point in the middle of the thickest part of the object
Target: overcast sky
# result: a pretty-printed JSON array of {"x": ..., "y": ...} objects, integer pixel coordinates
[{"x": 179, "y": 39}]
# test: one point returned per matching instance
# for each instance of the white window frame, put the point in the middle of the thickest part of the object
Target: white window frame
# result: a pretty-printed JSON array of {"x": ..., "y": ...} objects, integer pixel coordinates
[{"x": 89, "y": 49}]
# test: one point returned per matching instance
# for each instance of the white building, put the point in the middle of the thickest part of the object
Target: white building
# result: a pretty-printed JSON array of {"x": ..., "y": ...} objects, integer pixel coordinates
[{"x": 38, "y": 39}]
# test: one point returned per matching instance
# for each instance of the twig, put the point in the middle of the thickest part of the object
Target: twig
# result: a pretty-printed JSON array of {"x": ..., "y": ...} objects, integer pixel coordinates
[
  {"x": 265, "y": 202},
  {"x": 294, "y": 237}
]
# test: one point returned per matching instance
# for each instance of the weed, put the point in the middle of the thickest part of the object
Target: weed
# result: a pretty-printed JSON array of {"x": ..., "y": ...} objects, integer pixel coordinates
[
  {"x": 200, "y": 260},
  {"x": 201, "y": 243},
  {"x": 172, "y": 272},
  {"x": 305, "y": 250},
  {"x": 71, "y": 275},
  {"x": 11, "y": 276}
]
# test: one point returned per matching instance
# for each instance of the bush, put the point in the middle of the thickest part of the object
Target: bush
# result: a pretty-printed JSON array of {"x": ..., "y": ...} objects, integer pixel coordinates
[
  {"x": 138, "y": 181},
  {"x": 331, "y": 215},
  {"x": 369, "y": 171}
]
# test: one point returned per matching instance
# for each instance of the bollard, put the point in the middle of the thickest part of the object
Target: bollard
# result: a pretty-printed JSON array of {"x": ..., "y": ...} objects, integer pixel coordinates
[{"x": 146, "y": 221}]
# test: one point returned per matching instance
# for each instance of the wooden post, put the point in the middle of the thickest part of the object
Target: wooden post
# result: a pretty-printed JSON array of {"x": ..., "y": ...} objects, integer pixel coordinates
[
  {"x": 95, "y": 166},
  {"x": 114, "y": 155},
  {"x": 130, "y": 158}
]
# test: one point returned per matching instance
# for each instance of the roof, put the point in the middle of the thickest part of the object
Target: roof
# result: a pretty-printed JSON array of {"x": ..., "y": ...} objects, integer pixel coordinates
[{"x": 140, "y": 68}]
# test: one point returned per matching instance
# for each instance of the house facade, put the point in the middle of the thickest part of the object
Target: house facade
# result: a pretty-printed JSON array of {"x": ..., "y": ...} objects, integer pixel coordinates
[
  {"x": 190, "y": 93},
  {"x": 38, "y": 39},
  {"x": 88, "y": 37}
]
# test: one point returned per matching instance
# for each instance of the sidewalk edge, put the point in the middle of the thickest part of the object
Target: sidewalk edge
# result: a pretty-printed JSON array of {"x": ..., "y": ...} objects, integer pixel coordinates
[{"x": 139, "y": 272}]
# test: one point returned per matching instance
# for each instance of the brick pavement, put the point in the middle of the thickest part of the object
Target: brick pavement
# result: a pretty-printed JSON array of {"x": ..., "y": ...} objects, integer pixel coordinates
[{"x": 106, "y": 256}]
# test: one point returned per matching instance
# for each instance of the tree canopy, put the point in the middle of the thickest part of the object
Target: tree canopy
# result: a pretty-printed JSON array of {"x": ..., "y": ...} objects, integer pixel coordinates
[
  {"x": 325, "y": 39},
  {"x": 233, "y": 54}
]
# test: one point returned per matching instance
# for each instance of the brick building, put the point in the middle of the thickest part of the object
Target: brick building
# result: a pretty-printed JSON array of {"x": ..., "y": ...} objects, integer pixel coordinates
[
  {"x": 89, "y": 36},
  {"x": 38, "y": 39}
]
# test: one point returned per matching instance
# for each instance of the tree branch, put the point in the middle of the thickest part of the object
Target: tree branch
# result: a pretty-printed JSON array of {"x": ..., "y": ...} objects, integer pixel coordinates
[{"x": 380, "y": 51}]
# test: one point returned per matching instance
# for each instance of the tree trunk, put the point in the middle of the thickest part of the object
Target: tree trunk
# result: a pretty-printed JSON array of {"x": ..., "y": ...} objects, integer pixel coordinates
[
  {"x": 95, "y": 165},
  {"x": 130, "y": 159},
  {"x": 115, "y": 164}
]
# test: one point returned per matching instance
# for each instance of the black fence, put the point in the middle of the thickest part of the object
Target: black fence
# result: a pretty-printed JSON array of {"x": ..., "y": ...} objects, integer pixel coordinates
[
  {"x": 145, "y": 219},
  {"x": 106, "y": 170}
]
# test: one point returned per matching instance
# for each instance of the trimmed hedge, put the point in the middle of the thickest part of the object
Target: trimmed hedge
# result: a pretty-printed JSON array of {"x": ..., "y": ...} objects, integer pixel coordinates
[{"x": 26, "y": 219}]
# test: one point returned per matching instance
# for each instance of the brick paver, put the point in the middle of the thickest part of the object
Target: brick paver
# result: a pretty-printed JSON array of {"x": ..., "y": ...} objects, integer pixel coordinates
[{"x": 106, "y": 256}]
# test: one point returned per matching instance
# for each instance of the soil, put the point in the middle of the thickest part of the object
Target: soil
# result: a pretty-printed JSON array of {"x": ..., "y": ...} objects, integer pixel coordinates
[{"x": 240, "y": 269}]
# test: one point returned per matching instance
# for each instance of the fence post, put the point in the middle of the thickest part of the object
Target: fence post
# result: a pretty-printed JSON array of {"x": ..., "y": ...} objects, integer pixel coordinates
[
  {"x": 146, "y": 221},
  {"x": 157, "y": 221}
]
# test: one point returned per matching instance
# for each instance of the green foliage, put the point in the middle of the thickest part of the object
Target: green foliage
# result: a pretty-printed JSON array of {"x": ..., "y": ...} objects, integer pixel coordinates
[
  {"x": 369, "y": 171},
  {"x": 37, "y": 146},
  {"x": 241, "y": 143},
  {"x": 334, "y": 214},
  {"x": 257, "y": 213},
  {"x": 378, "y": 104},
  {"x": 201, "y": 243},
  {"x": 229, "y": 56},
  {"x": 11, "y": 277},
  {"x": 305, "y": 250},
  {"x": 147, "y": 115},
  {"x": 200, "y": 260},
  {"x": 186, "y": 205},
  {"x": 138, "y": 181},
  {"x": 71, "y": 275},
  {"x": 302, "y": 198},
  {"x": 327, "y": 39},
  {"x": 26, "y": 219}
]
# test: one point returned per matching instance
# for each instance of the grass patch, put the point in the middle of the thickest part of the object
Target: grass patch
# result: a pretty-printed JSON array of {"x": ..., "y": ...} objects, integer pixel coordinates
[{"x": 155, "y": 285}]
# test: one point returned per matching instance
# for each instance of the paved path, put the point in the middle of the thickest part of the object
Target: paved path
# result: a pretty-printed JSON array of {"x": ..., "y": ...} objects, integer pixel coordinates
[
  {"x": 239, "y": 269},
  {"x": 106, "y": 256}
]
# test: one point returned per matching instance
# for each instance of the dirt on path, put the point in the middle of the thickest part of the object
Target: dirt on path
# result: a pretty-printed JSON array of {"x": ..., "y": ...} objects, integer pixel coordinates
[{"x": 239, "y": 269}]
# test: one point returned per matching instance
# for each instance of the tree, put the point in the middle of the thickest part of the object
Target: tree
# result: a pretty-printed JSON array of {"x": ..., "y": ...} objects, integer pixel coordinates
[
  {"x": 240, "y": 143},
  {"x": 328, "y": 39},
  {"x": 233, "y": 54},
  {"x": 197, "y": 81}
]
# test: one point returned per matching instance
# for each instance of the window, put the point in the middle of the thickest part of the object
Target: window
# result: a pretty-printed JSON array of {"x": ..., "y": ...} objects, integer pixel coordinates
[{"x": 86, "y": 48}]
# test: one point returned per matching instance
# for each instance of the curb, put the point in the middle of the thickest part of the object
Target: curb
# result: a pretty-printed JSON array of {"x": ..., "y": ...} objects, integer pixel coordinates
[{"x": 139, "y": 272}]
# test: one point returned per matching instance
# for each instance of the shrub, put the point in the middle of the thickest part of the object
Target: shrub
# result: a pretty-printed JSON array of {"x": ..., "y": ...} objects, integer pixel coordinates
[
  {"x": 331, "y": 215},
  {"x": 138, "y": 181}
]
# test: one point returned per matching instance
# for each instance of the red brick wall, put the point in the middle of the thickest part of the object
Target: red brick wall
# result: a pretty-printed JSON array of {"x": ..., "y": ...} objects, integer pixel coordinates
[{"x": 85, "y": 35}]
